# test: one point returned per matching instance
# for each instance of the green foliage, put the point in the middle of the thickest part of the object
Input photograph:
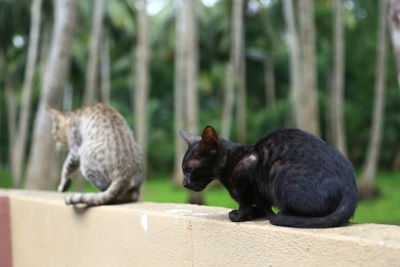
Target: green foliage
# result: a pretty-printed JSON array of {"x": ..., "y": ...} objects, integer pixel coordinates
[
  {"x": 5, "y": 177},
  {"x": 265, "y": 39},
  {"x": 385, "y": 208}
]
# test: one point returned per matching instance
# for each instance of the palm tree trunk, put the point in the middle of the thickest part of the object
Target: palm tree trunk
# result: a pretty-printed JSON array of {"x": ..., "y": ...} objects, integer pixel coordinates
[
  {"x": 92, "y": 67},
  {"x": 308, "y": 116},
  {"x": 367, "y": 187},
  {"x": 105, "y": 71},
  {"x": 19, "y": 146},
  {"x": 228, "y": 103},
  {"x": 142, "y": 77},
  {"x": 191, "y": 77},
  {"x": 270, "y": 98},
  {"x": 296, "y": 82},
  {"x": 185, "y": 85},
  {"x": 11, "y": 104},
  {"x": 394, "y": 26},
  {"x": 57, "y": 68},
  {"x": 179, "y": 95},
  {"x": 241, "y": 108},
  {"x": 191, "y": 80},
  {"x": 44, "y": 50},
  {"x": 241, "y": 82},
  {"x": 269, "y": 69},
  {"x": 393, "y": 16},
  {"x": 235, "y": 76},
  {"x": 337, "y": 89}
]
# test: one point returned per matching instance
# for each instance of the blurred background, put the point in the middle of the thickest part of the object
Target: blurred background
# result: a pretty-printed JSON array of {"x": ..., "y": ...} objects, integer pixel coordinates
[{"x": 247, "y": 67}]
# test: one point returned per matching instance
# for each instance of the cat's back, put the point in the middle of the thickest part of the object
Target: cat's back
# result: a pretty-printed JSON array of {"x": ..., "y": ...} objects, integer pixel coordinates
[
  {"x": 300, "y": 146},
  {"x": 100, "y": 121},
  {"x": 97, "y": 113},
  {"x": 290, "y": 137},
  {"x": 106, "y": 139},
  {"x": 104, "y": 129}
]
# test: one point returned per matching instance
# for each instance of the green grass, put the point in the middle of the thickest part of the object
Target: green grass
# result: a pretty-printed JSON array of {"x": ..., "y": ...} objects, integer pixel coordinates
[
  {"x": 160, "y": 189},
  {"x": 384, "y": 209},
  {"x": 5, "y": 177},
  {"x": 163, "y": 190}
]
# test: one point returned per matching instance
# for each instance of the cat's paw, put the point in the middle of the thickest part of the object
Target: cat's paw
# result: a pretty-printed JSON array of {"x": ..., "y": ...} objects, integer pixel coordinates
[
  {"x": 73, "y": 199},
  {"x": 67, "y": 200},
  {"x": 64, "y": 186},
  {"x": 234, "y": 216},
  {"x": 260, "y": 212}
]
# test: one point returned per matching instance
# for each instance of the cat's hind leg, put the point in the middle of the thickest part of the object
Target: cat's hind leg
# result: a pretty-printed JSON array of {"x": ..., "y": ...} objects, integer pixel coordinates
[
  {"x": 130, "y": 196},
  {"x": 71, "y": 164},
  {"x": 133, "y": 194},
  {"x": 101, "y": 198}
]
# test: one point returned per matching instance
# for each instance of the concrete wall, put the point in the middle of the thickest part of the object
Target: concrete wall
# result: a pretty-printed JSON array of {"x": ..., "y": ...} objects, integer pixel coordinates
[{"x": 46, "y": 232}]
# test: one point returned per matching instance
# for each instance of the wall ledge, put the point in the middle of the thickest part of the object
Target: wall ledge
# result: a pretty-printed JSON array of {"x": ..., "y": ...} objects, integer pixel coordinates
[{"x": 46, "y": 232}]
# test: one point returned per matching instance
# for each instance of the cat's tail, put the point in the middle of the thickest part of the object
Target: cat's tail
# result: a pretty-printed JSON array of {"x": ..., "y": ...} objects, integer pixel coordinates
[
  {"x": 95, "y": 199},
  {"x": 338, "y": 217}
]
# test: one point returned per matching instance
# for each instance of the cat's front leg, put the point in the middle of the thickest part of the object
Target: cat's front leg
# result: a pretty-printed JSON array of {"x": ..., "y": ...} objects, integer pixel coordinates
[
  {"x": 244, "y": 213},
  {"x": 71, "y": 163}
]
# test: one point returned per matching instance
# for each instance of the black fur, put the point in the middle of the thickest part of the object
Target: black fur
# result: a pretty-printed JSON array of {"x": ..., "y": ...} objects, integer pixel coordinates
[{"x": 312, "y": 183}]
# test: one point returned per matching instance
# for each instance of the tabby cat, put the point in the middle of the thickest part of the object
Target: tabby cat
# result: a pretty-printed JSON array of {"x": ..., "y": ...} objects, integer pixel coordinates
[
  {"x": 311, "y": 183},
  {"x": 101, "y": 143}
]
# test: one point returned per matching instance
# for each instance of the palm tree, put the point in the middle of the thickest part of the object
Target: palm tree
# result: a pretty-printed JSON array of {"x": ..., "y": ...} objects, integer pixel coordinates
[
  {"x": 19, "y": 146},
  {"x": 270, "y": 98},
  {"x": 105, "y": 70},
  {"x": 337, "y": 89},
  {"x": 11, "y": 103},
  {"x": 186, "y": 85},
  {"x": 394, "y": 26},
  {"x": 296, "y": 82},
  {"x": 191, "y": 79},
  {"x": 308, "y": 115},
  {"x": 142, "y": 76},
  {"x": 57, "y": 67},
  {"x": 235, "y": 77},
  {"x": 367, "y": 187},
  {"x": 94, "y": 50},
  {"x": 179, "y": 94}
]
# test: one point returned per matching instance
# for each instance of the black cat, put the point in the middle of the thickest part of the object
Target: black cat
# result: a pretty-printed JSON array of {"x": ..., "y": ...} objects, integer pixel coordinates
[{"x": 312, "y": 183}]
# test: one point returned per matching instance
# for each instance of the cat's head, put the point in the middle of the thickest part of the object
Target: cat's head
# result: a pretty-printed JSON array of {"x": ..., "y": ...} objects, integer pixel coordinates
[
  {"x": 203, "y": 160},
  {"x": 60, "y": 126}
]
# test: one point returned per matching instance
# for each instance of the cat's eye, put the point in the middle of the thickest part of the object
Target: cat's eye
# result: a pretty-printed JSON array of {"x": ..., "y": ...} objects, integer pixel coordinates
[{"x": 187, "y": 170}]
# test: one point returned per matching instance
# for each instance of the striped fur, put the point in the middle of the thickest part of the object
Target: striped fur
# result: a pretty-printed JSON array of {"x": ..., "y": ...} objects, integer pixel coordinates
[{"x": 102, "y": 145}]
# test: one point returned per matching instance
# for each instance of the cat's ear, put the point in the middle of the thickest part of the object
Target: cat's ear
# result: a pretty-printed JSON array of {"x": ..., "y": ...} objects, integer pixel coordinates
[
  {"x": 55, "y": 114},
  {"x": 190, "y": 138},
  {"x": 209, "y": 141}
]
